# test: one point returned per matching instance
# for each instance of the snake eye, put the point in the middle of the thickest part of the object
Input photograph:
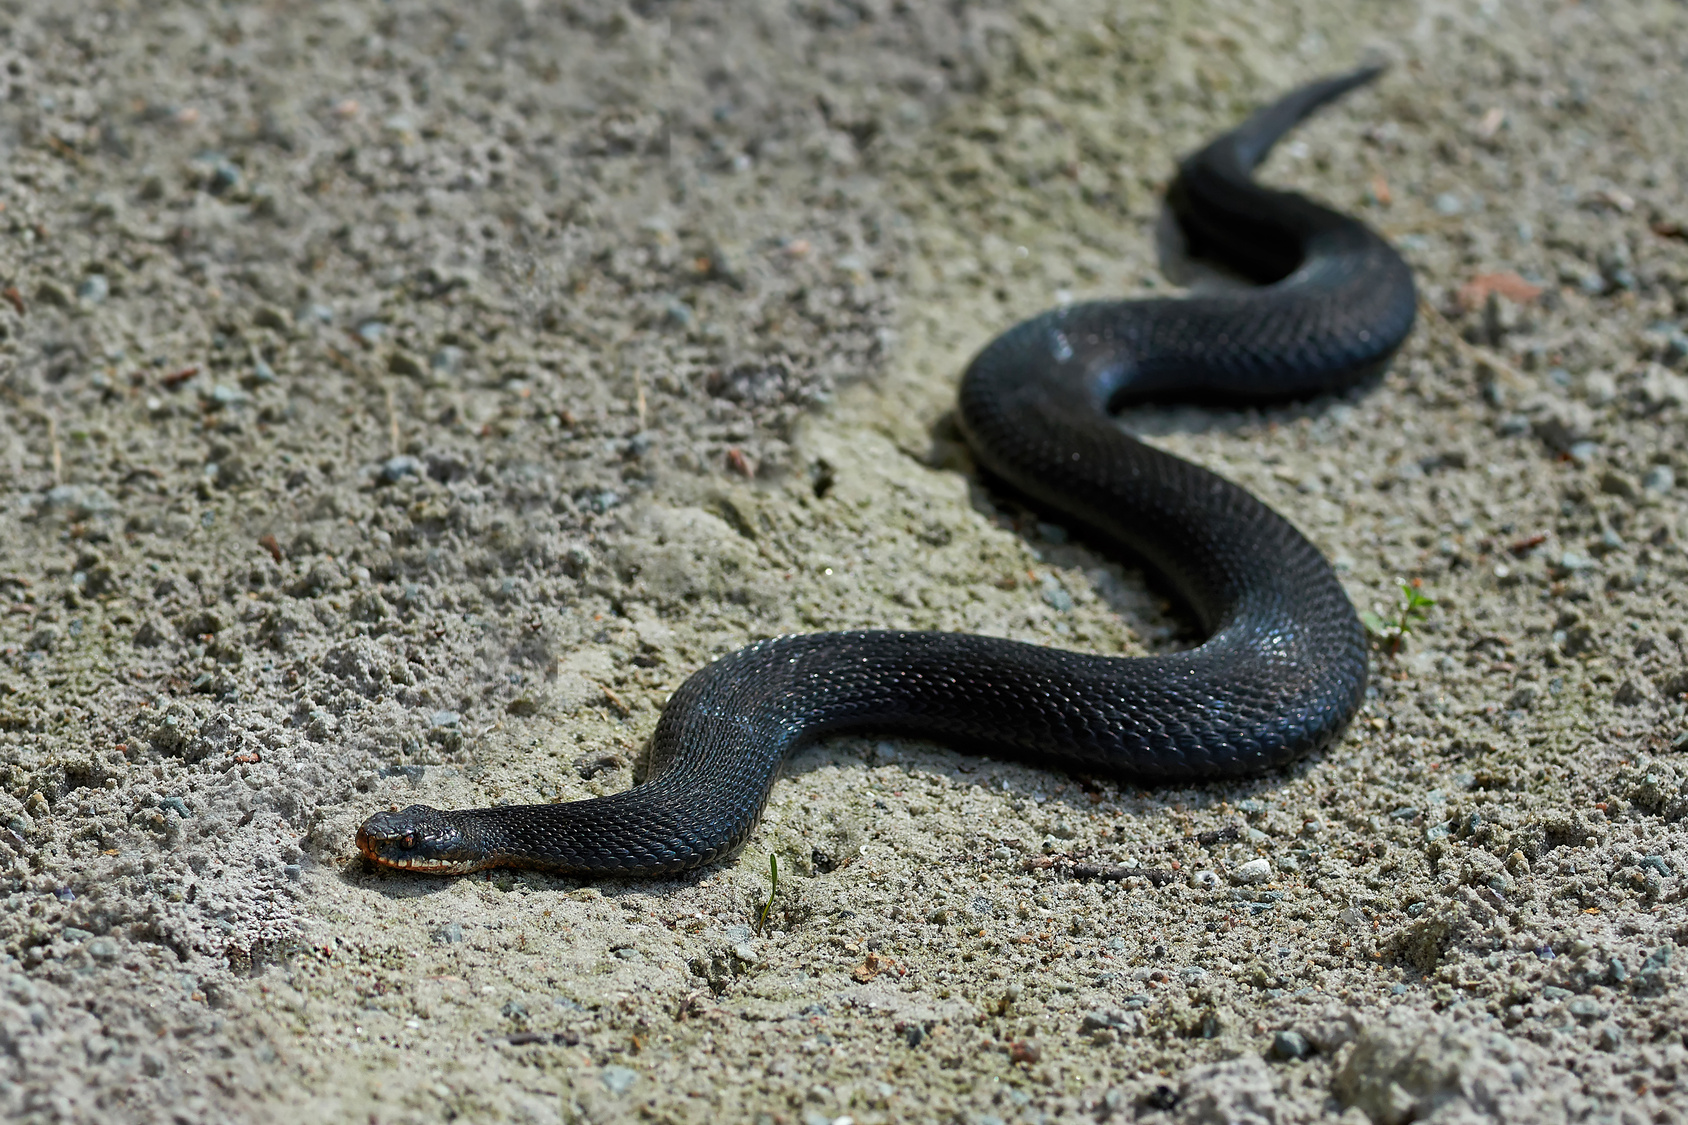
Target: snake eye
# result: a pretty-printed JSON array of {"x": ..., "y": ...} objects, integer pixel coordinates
[{"x": 409, "y": 840}]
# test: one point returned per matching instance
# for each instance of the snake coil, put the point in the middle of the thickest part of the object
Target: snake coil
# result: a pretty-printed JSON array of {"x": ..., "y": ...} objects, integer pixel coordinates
[{"x": 1284, "y": 665}]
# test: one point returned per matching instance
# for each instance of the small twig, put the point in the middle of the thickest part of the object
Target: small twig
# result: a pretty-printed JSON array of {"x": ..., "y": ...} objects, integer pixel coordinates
[
  {"x": 58, "y": 454},
  {"x": 392, "y": 419},
  {"x": 616, "y": 701},
  {"x": 343, "y": 361},
  {"x": 639, "y": 402},
  {"x": 1472, "y": 353},
  {"x": 773, "y": 889},
  {"x": 686, "y": 1004}
]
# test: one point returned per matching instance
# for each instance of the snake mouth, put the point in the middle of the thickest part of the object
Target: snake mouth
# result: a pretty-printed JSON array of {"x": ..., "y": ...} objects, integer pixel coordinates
[
  {"x": 416, "y": 863},
  {"x": 407, "y": 841}
]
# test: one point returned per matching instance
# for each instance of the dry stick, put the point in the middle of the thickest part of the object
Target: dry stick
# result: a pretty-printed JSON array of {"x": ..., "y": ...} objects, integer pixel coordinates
[
  {"x": 1476, "y": 355},
  {"x": 58, "y": 454},
  {"x": 639, "y": 405},
  {"x": 392, "y": 419},
  {"x": 773, "y": 889}
]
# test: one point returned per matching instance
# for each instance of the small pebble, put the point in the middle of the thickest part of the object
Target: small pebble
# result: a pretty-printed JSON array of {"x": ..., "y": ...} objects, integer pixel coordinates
[
  {"x": 444, "y": 719},
  {"x": 1676, "y": 348},
  {"x": 1584, "y": 1008},
  {"x": 222, "y": 395},
  {"x": 94, "y": 288},
  {"x": 1108, "y": 1018},
  {"x": 1288, "y": 1045},
  {"x": 447, "y": 360},
  {"x": 677, "y": 313},
  {"x": 448, "y": 934},
  {"x": 268, "y": 316},
  {"x": 1057, "y": 598},
  {"x": 395, "y": 469},
  {"x": 618, "y": 1079},
  {"x": 1614, "y": 483},
  {"x": 1660, "y": 478},
  {"x": 1632, "y": 691},
  {"x": 1657, "y": 961},
  {"x": 1257, "y": 870},
  {"x": 224, "y": 176}
]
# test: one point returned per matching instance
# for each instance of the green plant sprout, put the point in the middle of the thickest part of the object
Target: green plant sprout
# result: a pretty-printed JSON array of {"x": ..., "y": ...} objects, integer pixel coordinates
[
  {"x": 1390, "y": 633},
  {"x": 773, "y": 888}
]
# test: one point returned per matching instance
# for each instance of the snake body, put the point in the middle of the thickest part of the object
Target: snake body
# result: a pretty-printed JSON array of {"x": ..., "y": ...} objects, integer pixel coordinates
[{"x": 1283, "y": 668}]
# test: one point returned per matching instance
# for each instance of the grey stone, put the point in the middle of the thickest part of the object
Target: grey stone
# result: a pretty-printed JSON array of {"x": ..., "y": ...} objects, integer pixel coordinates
[
  {"x": 1238, "y": 1092},
  {"x": 1257, "y": 870},
  {"x": 1289, "y": 1045},
  {"x": 1632, "y": 691},
  {"x": 395, "y": 469},
  {"x": 1585, "y": 1008},
  {"x": 1409, "y": 1068}
]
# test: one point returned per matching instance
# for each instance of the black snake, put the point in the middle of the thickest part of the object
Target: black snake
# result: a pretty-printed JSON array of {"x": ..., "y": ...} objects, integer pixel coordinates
[{"x": 1284, "y": 665}]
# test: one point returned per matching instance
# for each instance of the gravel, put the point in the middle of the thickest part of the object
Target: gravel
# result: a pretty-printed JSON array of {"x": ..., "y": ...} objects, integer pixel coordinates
[{"x": 402, "y": 404}]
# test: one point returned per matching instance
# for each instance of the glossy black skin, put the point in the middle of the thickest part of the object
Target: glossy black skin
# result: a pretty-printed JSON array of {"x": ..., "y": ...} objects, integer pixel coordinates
[{"x": 1284, "y": 665}]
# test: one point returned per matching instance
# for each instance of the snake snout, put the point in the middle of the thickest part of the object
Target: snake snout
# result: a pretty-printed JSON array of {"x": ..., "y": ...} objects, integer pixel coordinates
[{"x": 417, "y": 838}]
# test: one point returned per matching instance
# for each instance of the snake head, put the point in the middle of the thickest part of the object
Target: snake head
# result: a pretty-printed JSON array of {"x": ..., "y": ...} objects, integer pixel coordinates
[{"x": 420, "y": 839}]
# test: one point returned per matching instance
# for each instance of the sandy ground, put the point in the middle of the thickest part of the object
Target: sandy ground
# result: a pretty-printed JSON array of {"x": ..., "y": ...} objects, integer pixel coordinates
[{"x": 402, "y": 398}]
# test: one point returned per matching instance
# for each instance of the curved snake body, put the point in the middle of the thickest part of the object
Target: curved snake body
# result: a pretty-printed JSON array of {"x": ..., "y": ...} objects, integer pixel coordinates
[{"x": 1284, "y": 665}]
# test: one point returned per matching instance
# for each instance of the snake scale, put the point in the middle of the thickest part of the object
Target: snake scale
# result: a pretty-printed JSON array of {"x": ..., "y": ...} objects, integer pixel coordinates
[{"x": 1284, "y": 665}]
